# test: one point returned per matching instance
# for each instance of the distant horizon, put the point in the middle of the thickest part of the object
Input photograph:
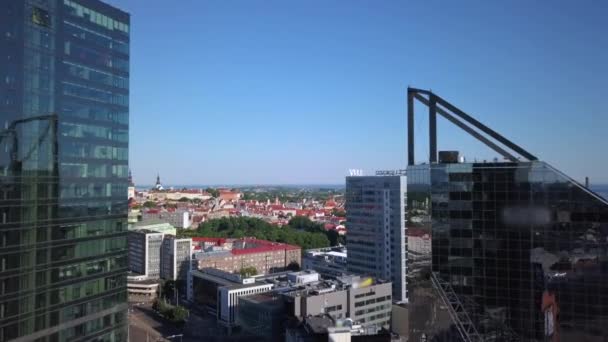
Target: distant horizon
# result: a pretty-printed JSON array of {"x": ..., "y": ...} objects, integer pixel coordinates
[
  {"x": 598, "y": 185},
  {"x": 241, "y": 185}
]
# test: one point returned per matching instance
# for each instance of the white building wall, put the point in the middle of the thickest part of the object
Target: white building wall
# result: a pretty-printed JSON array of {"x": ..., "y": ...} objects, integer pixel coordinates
[{"x": 229, "y": 301}]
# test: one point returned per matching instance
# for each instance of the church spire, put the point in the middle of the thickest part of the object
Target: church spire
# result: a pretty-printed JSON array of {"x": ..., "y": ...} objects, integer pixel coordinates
[{"x": 158, "y": 185}]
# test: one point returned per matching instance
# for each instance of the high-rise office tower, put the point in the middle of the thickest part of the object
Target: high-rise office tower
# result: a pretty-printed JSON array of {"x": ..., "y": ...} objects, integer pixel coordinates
[
  {"x": 375, "y": 215},
  {"x": 64, "y": 90},
  {"x": 518, "y": 252}
]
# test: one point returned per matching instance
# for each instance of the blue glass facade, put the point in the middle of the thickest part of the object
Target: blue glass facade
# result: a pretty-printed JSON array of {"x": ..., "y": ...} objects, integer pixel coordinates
[
  {"x": 519, "y": 252},
  {"x": 64, "y": 110}
]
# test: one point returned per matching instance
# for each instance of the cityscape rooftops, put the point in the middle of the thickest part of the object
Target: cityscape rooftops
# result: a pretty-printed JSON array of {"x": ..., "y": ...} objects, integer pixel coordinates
[
  {"x": 146, "y": 231},
  {"x": 318, "y": 324},
  {"x": 330, "y": 285}
]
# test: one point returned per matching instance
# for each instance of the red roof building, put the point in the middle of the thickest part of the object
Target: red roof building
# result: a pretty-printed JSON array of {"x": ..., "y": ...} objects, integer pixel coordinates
[{"x": 265, "y": 256}]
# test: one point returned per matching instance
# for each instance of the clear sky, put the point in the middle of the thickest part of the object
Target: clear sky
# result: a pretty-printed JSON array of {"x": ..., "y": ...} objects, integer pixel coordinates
[{"x": 272, "y": 92}]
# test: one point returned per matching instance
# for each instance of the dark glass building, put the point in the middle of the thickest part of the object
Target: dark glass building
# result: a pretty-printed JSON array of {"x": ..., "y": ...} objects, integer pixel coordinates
[
  {"x": 64, "y": 113},
  {"x": 519, "y": 252}
]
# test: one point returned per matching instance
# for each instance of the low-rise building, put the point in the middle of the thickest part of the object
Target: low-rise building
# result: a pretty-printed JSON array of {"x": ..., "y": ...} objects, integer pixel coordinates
[
  {"x": 329, "y": 261},
  {"x": 228, "y": 300},
  {"x": 179, "y": 218},
  {"x": 400, "y": 321},
  {"x": 232, "y": 255},
  {"x": 325, "y": 328},
  {"x": 365, "y": 301},
  {"x": 141, "y": 288},
  {"x": 191, "y": 194},
  {"x": 229, "y": 195},
  {"x": 217, "y": 292},
  {"x": 263, "y": 315},
  {"x": 154, "y": 225}
]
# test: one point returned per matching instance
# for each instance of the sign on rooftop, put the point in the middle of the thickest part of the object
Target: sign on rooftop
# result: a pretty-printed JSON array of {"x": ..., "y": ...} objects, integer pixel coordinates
[{"x": 391, "y": 173}]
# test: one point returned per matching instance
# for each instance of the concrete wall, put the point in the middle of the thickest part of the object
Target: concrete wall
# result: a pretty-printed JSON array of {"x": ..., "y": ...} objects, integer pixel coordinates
[{"x": 336, "y": 301}]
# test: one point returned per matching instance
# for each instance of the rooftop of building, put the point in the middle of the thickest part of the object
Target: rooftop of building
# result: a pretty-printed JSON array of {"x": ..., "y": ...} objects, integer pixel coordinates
[
  {"x": 241, "y": 246},
  {"x": 336, "y": 251},
  {"x": 145, "y": 231},
  {"x": 330, "y": 285},
  {"x": 319, "y": 324},
  {"x": 267, "y": 298},
  {"x": 151, "y": 221},
  {"x": 213, "y": 277}
]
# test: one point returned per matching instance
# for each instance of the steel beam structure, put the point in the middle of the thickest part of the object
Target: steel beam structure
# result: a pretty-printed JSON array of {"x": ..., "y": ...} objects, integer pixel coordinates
[{"x": 438, "y": 105}]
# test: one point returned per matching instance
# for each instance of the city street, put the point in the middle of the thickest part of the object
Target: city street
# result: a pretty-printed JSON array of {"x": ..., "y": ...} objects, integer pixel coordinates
[{"x": 145, "y": 325}]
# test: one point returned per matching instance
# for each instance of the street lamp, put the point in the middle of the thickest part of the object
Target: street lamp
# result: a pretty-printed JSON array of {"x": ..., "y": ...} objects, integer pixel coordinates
[{"x": 174, "y": 336}]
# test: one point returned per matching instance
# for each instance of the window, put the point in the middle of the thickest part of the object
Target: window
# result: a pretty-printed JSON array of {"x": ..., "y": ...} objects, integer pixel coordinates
[{"x": 41, "y": 17}]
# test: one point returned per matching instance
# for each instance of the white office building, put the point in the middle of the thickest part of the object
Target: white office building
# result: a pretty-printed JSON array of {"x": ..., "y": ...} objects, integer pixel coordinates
[
  {"x": 376, "y": 217},
  {"x": 144, "y": 252},
  {"x": 176, "y": 258}
]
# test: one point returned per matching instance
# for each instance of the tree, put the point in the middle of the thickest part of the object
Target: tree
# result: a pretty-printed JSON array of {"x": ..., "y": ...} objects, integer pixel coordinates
[
  {"x": 248, "y": 271},
  {"x": 312, "y": 235},
  {"x": 168, "y": 289},
  {"x": 338, "y": 212},
  {"x": 214, "y": 192},
  {"x": 333, "y": 236},
  {"x": 179, "y": 314},
  {"x": 176, "y": 314},
  {"x": 293, "y": 266},
  {"x": 303, "y": 223},
  {"x": 149, "y": 204},
  {"x": 184, "y": 199}
]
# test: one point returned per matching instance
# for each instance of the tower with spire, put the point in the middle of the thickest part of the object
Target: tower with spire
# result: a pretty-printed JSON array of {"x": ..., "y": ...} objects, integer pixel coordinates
[
  {"x": 131, "y": 188},
  {"x": 158, "y": 185},
  {"x": 131, "y": 179}
]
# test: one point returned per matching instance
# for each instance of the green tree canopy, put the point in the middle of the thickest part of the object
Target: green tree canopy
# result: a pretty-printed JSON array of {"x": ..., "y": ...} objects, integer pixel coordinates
[
  {"x": 248, "y": 271},
  {"x": 214, "y": 192},
  {"x": 149, "y": 204},
  {"x": 308, "y": 234}
]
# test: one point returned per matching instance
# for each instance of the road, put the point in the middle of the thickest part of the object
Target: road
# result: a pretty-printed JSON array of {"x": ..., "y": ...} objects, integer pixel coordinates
[{"x": 145, "y": 325}]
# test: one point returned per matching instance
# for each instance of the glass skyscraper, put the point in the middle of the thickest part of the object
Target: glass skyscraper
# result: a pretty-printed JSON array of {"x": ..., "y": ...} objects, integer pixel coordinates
[
  {"x": 510, "y": 250},
  {"x": 64, "y": 111},
  {"x": 519, "y": 250}
]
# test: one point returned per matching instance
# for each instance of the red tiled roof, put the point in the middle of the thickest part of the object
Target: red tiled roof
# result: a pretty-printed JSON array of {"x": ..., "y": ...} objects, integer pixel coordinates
[
  {"x": 329, "y": 226},
  {"x": 261, "y": 246},
  {"x": 416, "y": 232},
  {"x": 217, "y": 241},
  {"x": 264, "y": 249}
]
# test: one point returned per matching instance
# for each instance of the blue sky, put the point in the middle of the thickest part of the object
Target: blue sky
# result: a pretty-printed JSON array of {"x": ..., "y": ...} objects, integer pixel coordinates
[{"x": 270, "y": 92}]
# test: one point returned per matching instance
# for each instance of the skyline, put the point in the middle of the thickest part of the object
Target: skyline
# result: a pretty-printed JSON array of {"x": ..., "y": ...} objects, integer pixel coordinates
[{"x": 347, "y": 75}]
